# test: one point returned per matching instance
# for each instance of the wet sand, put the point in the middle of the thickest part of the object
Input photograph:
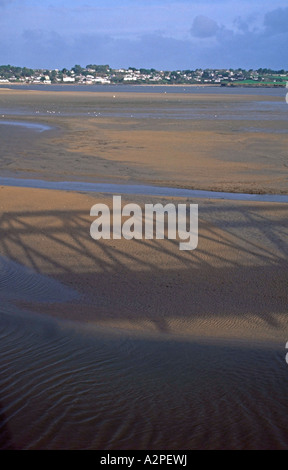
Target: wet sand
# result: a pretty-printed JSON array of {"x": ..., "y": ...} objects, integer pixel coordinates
[
  {"x": 150, "y": 285},
  {"x": 147, "y": 328},
  {"x": 233, "y": 285},
  {"x": 210, "y": 154}
]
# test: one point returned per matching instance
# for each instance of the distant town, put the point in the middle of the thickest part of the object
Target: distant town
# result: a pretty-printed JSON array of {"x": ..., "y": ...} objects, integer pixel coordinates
[{"x": 105, "y": 75}]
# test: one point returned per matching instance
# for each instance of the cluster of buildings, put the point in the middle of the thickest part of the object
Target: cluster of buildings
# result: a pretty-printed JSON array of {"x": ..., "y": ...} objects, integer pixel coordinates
[{"x": 99, "y": 74}]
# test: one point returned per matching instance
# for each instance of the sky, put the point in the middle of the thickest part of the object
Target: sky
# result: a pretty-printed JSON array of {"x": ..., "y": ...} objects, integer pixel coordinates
[{"x": 160, "y": 34}]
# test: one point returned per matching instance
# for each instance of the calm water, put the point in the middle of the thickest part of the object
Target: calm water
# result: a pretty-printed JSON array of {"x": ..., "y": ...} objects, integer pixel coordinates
[
  {"x": 154, "y": 89},
  {"x": 108, "y": 188},
  {"x": 27, "y": 125}
]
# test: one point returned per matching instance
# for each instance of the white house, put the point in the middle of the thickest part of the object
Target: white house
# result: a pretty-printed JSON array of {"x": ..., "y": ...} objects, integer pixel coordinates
[{"x": 68, "y": 79}]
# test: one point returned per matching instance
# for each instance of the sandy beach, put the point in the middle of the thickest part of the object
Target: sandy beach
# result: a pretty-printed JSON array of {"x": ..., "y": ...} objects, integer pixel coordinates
[
  {"x": 151, "y": 285},
  {"x": 202, "y": 332},
  {"x": 228, "y": 152}
]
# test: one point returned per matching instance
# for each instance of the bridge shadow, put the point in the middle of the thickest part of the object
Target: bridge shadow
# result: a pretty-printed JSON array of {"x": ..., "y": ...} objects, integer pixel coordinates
[{"x": 239, "y": 271}]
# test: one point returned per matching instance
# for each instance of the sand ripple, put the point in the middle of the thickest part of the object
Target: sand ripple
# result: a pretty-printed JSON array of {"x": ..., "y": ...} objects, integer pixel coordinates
[
  {"x": 17, "y": 282},
  {"x": 60, "y": 388}
]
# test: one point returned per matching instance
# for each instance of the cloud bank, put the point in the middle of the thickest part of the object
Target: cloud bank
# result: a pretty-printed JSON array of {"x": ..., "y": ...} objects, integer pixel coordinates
[{"x": 163, "y": 34}]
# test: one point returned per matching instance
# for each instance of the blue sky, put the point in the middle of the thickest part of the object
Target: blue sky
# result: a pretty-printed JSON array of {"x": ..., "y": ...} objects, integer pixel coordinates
[{"x": 163, "y": 34}]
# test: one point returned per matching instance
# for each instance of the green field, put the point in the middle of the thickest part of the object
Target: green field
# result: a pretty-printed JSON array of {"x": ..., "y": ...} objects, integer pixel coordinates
[{"x": 258, "y": 83}]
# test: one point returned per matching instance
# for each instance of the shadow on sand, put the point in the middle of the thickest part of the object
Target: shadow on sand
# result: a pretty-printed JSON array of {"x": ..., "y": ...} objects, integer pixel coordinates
[{"x": 241, "y": 271}]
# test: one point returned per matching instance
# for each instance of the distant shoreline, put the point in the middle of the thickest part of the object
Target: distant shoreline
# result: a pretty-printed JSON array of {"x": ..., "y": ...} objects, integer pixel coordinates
[{"x": 139, "y": 85}]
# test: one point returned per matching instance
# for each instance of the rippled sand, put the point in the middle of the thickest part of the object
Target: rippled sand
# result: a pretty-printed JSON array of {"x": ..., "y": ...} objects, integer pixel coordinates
[
  {"x": 151, "y": 284},
  {"x": 134, "y": 344},
  {"x": 67, "y": 389},
  {"x": 173, "y": 340}
]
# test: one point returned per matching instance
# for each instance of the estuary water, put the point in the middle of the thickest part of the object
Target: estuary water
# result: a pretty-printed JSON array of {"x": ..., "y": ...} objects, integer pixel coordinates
[
  {"x": 27, "y": 125},
  {"x": 262, "y": 91},
  {"x": 139, "y": 189}
]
